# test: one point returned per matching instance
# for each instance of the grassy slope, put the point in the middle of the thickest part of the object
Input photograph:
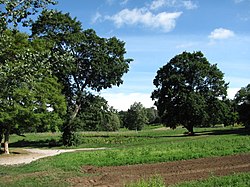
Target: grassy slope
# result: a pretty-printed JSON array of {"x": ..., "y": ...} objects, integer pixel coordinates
[{"x": 128, "y": 147}]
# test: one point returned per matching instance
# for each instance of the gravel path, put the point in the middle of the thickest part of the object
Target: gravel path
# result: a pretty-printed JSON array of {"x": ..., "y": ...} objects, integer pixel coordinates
[{"x": 35, "y": 154}]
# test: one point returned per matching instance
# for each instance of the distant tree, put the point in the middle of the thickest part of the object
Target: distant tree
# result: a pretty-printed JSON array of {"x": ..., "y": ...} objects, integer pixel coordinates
[
  {"x": 96, "y": 115},
  {"x": 29, "y": 94},
  {"x": 152, "y": 115},
  {"x": 136, "y": 117},
  {"x": 122, "y": 116},
  {"x": 187, "y": 88},
  {"x": 93, "y": 63},
  {"x": 242, "y": 99}
]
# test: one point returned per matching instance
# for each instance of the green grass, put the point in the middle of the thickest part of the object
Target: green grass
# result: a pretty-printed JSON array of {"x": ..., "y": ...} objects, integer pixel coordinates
[
  {"x": 236, "y": 180},
  {"x": 126, "y": 147},
  {"x": 155, "y": 181}
]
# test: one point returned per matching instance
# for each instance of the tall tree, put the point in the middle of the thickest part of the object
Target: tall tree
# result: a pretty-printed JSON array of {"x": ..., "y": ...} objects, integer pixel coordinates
[
  {"x": 94, "y": 63},
  {"x": 29, "y": 94},
  {"x": 186, "y": 87},
  {"x": 242, "y": 99}
]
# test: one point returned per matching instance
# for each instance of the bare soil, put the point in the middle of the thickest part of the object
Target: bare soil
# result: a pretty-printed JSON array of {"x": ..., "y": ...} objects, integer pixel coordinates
[{"x": 171, "y": 172}]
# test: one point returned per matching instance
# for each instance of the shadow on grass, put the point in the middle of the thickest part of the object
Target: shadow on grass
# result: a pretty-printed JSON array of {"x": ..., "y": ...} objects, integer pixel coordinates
[
  {"x": 240, "y": 131},
  {"x": 48, "y": 143}
]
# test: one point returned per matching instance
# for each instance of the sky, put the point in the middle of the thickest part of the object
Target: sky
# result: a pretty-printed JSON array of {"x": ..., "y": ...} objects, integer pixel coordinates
[{"x": 157, "y": 30}]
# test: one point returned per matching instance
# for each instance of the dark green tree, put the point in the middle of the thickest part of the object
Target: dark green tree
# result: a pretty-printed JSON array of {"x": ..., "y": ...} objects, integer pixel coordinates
[
  {"x": 136, "y": 117},
  {"x": 187, "y": 87},
  {"x": 29, "y": 94},
  {"x": 96, "y": 115},
  {"x": 242, "y": 99},
  {"x": 93, "y": 63},
  {"x": 152, "y": 115}
]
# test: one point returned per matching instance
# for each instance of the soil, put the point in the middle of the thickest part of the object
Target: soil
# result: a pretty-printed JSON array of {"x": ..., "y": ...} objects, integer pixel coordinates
[
  {"x": 116, "y": 176},
  {"x": 171, "y": 172}
]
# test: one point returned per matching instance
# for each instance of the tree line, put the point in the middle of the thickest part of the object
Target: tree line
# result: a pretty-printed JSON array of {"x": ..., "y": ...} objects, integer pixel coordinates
[{"x": 47, "y": 80}]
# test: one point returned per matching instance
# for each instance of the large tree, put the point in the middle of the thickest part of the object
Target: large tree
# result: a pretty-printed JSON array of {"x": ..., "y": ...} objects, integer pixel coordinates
[
  {"x": 242, "y": 99},
  {"x": 187, "y": 89},
  {"x": 93, "y": 63},
  {"x": 29, "y": 93}
]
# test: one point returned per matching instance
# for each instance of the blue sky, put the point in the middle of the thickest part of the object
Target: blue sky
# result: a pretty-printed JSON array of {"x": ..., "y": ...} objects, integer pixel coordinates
[{"x": 156, "y": 30}]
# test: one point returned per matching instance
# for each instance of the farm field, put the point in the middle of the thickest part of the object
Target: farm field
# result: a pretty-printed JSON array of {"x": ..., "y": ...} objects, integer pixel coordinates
[{"x": 131, "y": 156}]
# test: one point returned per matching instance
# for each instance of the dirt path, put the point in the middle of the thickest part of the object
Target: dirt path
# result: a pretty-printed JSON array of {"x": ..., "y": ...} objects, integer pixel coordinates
[
  {"x": 172, "y": 172},
  {"x": 30, "y": 155}
]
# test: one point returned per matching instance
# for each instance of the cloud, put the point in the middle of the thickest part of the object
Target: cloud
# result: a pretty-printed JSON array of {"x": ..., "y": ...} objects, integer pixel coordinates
[
  {"x": 96, "y": 17},
  {"x": 122, "y": 101},
  {"x": 164, "y": 20},
  {"x": 187, "y": 4},
  {"x": 221, "y": 34},
  {"x": 231, "y": 92},
  {"x": 157, "y": 4}
]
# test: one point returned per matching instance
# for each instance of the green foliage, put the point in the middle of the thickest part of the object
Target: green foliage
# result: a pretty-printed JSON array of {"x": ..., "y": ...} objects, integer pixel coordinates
[
  {"x": 236, "y": 180},
  {"x": 136, "y": 117},
  {"x": 91, "y": 63},
  {"x": 16, "y": 11},
  {"x": 152, "y": 115},
  {"x": 95, "y": 115},
  {"x": 30, "y": 97},
  {"x": 188, "y": 91},
  {"x": 242, "y": 99},
  {"x": 155, "y": 181}
]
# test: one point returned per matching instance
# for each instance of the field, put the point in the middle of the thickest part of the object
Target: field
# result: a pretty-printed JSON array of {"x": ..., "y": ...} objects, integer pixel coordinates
[{"x": 135, "y": 151}]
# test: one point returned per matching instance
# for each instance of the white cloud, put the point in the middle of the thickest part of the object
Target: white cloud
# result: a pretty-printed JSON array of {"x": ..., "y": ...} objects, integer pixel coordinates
[
  {"x": 122, "y": 101},
  {"x": 96, "y": 17},
  {"x": 188, "y": 4},
  {"x": 157, "y": 4},
  {"x": 231, "y": 92},
  {"x": 164, "y": 20},
  {"x": 221, "y": 33}
]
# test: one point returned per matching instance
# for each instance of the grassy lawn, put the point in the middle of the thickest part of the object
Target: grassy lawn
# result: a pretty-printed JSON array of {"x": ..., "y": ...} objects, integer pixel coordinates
[{"x": 127, "y": 147}]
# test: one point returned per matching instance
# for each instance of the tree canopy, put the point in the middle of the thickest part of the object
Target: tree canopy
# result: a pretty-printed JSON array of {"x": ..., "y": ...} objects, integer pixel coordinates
[
  {"x": 30, "y": 95},
  {"x": 188, "y": 91}
]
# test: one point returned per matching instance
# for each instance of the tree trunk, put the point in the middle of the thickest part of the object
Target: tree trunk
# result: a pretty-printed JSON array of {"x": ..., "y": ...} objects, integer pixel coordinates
[
  {"x": 190, "y": 129},
  {"x": 69, "y": 129},
  {"x": 73, "y": 116},
  {"x": 1, "y": 138},
  {"x": 6, "y": 141}
]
